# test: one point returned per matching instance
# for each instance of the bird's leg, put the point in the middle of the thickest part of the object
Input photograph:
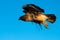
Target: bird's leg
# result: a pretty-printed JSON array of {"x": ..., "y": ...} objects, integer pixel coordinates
[{"x": 45, "y": 24}]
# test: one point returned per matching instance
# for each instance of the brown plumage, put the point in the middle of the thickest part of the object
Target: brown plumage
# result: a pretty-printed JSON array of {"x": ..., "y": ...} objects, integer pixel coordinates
[{"x": 34, "y": 14}]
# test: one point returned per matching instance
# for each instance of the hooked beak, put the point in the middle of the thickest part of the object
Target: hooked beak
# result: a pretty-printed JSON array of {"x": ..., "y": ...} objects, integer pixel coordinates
[{"x": 22, "y": 18}]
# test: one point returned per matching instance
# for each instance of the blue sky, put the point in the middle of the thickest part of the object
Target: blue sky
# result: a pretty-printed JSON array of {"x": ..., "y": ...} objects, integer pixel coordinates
[{"x": 13, "y": 29}]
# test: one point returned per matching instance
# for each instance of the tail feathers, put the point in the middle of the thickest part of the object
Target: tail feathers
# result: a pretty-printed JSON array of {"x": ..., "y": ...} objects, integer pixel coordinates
[{"x": 51, "y": 18}]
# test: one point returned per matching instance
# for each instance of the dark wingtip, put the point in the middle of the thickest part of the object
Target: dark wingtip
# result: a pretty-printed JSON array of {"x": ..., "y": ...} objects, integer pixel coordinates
[
  {"x": 41, "y": 10},
  {"x": 38, "y": 8}
]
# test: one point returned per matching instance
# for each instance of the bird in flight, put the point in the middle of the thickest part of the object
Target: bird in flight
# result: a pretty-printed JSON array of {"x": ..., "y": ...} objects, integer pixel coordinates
[{"x": 36, "y": 14}]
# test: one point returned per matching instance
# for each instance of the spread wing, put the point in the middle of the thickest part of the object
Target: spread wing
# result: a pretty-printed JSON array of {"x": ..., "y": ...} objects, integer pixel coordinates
[
  {"x": 31, "y": 8},
  {"x": 36, "y": 8}
]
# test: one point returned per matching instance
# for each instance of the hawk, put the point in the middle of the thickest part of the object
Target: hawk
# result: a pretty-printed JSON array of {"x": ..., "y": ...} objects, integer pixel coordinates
[{"x": 35, "y": 14}]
